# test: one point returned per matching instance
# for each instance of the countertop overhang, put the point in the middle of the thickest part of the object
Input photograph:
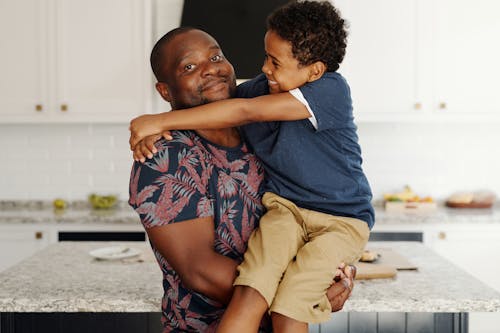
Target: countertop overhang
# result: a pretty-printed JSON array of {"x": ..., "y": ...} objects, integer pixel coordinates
[{"x": 65, "y": 278}]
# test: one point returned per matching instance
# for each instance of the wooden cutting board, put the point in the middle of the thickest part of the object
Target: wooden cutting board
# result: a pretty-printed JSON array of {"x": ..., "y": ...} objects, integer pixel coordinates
[
  {"x": 386, "y": 266},
  {"x": 367, "y": 271}
]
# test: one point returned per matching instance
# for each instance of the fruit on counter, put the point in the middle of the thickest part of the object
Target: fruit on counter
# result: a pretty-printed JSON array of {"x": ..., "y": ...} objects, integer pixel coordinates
[
  {"x": 59, "y": 204},
  {"x": 102, "y": 201},
  {"x": 407, "y": 195}
]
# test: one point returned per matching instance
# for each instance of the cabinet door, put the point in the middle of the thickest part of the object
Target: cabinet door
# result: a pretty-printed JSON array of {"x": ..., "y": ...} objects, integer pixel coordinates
[
  {"x": 381, "y": 60},
  {"x": 466, "y": 52},
  {"x": 17, "y": 244},
  {"x": 474, "y": 249},
  {"x": 23, "y": 50},
  {"x": 102, "y": 49}
]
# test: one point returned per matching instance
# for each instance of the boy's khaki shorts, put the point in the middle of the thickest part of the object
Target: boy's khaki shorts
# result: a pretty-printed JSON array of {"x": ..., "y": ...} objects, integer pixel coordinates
[{"x": 292, "y": 257}]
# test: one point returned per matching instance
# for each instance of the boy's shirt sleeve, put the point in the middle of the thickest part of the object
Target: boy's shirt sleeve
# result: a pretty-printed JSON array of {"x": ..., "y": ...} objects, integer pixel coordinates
[
  {"x": 328, "y": 100},
  {"x": 172, "y": 186},
  {"x": 252, "y": 88}
]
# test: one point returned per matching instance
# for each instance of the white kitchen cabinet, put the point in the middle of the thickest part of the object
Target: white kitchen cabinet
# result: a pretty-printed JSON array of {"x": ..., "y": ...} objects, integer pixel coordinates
[
  {"x": 18, "y": 242},
  {"x": 381, "y": 56},
  {"x": 75, "y": 60},
  {"x": 423, "y": 59},
  {"x": 471, "y": 247},
  {"x": 474, "y": 248},
  {"x": 466, "y": 53},
  {"x": 24, "y": 63}
]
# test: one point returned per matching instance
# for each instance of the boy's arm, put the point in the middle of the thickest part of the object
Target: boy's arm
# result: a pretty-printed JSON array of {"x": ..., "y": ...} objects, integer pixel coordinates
[{"x": 221, "y": 114}]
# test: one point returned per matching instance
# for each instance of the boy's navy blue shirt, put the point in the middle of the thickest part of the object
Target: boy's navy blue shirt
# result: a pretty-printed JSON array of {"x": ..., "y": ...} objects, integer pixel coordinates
[{"x": 317, "y": 169}]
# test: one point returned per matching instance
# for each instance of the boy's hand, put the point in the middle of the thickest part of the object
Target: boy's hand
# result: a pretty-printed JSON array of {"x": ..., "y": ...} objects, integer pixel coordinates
[
  {"x": 146, "y": 147},
  {"x": 143, "y": 126}
]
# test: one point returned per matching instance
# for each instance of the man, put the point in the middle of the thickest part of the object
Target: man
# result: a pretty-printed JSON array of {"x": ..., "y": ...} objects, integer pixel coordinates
[{"x": 200, "y": 182}]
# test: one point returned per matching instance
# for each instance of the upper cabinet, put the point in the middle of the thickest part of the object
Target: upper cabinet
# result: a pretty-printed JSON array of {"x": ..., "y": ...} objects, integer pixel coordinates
[
  {"x": 380, "y": 62},
  {"x": 422, "y": 59},
  {"x": 466, "y": 56},
  {"x": 23, "y": 52},
  {"x": 74, "y": 60}
]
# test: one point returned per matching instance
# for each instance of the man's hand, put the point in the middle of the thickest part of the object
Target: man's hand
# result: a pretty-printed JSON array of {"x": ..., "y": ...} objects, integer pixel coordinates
[
  {"x": 143, "y": 126},
  {"x": 340, "y": 290}
]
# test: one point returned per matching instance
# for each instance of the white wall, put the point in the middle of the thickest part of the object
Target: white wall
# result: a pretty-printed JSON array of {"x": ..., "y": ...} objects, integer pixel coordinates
[
  {"x": 433, "y": 158},
  {"x": 45, "y": 161},
  {"x": 72, "y": 160}
]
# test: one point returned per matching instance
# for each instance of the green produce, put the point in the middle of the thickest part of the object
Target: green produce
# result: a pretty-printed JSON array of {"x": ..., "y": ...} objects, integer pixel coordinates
[
  {"x": 59, "y": 204},
  {"x": 102, "y": 201}
]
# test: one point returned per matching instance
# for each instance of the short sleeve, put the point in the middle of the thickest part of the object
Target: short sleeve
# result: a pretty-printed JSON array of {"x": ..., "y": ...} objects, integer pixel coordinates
[
  {"x": 329, "y": 100},
  {"x": 172, "y": 186},
  {"x": 252, "y": 88}
]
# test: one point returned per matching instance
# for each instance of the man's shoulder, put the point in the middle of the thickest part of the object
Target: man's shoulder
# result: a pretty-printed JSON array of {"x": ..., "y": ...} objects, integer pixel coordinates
[
  {"x": 180, "y": 140},
  {"x": 254, "y": 87}
]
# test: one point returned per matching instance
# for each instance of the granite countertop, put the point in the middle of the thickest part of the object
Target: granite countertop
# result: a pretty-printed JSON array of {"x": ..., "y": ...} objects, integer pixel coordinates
[
  {"x": 442, "y": 215},
  {"x": 78, "y": 212},
  {"x": 65, "y": 278},
  {"x": 33, "y": 212}
]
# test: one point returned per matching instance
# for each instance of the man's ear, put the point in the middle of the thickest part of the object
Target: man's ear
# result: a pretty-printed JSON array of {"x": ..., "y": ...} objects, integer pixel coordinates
[
  {"x": 163, "y": 91},
  {"x": 316, "y": 70}
]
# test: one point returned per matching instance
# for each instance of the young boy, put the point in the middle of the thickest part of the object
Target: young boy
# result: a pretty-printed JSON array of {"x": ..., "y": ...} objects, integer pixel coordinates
[{"x": 299, "y": 122}]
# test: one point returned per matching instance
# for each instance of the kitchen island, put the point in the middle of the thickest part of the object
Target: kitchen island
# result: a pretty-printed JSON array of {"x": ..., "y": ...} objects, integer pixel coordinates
[{"x": 64, "y": 279}]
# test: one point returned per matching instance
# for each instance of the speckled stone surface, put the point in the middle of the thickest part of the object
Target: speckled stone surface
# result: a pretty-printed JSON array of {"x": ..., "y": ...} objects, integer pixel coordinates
[
  {"x": 437, "y": 286},
  {"x": 65, "y": 278},
  {"x": 79, "y": 212},
  {"x": 442, "y": 215},
  {"x": 42, "y": 212}
]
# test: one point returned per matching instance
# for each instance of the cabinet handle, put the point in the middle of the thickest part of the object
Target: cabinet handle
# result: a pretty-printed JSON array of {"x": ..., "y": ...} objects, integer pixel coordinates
[
  {"x": 442, "y": 105},
  {"x": 64, "y": 107},
  {"x": 39, "y": 107},
  {"x": 38, "y": 235},
  {"x": 417, "y": 106},
  {"x": 442, "y": 235}
]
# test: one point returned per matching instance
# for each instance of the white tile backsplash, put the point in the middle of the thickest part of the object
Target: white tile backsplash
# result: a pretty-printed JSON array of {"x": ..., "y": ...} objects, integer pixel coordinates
[{"x": 45, "y": 161}]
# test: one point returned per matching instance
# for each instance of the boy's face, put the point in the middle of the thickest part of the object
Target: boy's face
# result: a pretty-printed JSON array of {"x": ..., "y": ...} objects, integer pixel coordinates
[
  {"x": 196, "y": 71},
  {"x": 282, "y": 70}
]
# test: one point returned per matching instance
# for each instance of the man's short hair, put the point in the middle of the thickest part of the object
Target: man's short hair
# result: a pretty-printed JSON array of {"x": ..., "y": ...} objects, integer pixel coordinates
[{"x": 157, "y": 59}]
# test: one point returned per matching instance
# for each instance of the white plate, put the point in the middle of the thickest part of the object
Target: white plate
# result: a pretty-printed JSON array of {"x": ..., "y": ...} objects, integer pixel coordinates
[{"x": 114, "y": 252}]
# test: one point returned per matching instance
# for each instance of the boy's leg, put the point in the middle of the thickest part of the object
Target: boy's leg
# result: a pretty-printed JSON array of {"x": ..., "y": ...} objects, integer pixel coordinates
[
  {"x": 244, "y": 312},
  {"x": 302, "y": 291},
  {"x": 270, "y": 249},
  {"x": 284, "y": 324}
]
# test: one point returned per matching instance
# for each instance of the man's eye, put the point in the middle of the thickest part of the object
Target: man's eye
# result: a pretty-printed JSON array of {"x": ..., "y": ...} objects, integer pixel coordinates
[
  {"x": 216, "y": 58},
  {"x": 189, "y": 67}
]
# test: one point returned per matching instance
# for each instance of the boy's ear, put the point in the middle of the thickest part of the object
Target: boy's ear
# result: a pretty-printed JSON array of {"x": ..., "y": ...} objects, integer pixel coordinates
[
  {"x": 163, "y": 91},
  {"x": 316, "y": 70}
]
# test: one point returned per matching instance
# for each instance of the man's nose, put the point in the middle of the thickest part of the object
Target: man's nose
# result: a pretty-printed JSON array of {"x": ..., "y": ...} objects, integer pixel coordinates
[{"x": 210, "y": 68}]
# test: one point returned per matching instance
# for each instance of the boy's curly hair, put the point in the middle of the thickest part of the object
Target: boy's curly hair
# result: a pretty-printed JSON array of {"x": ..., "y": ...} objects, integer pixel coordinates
[{"x": 315, "y": 30}]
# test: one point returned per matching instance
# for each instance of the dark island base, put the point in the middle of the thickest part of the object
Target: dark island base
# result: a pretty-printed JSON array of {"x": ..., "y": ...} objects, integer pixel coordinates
[{"x": 344, "y": 322}]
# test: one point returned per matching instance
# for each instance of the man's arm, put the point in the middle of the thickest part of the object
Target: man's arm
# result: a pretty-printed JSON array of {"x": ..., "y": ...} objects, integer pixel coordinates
[
  {"x": 221, "y": 114},
  {"x": 188, "y": 247}
]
